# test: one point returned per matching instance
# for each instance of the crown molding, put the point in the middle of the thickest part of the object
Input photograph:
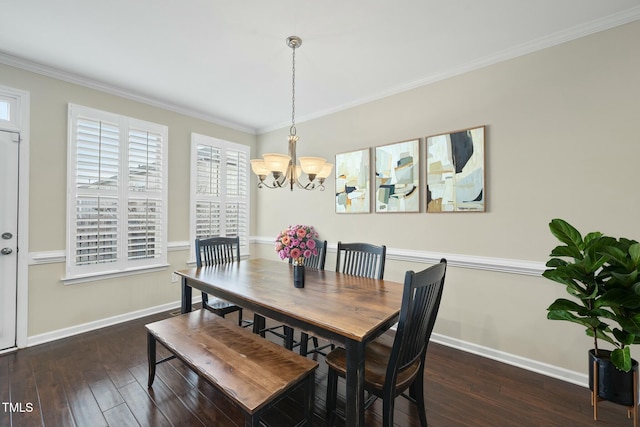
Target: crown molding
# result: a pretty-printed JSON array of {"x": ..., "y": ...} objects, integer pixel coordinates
[
  {"x": 579, "y": 31},
  {"x": 23, "y": 64}
]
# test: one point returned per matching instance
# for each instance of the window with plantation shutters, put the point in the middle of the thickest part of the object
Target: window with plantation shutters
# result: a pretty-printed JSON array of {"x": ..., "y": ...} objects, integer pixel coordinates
[
  {"x": 219, "y": 189},
  {"x": 117, "y": 194}
]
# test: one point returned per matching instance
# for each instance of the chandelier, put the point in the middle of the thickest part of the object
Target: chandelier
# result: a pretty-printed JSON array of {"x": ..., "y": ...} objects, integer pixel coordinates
[{"x": 275, "y": 170}]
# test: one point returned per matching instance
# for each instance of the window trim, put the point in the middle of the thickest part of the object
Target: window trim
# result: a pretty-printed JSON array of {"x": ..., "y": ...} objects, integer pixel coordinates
[
  {"x": 123, "y": 265},
  {"x": 224, "y": 146}
]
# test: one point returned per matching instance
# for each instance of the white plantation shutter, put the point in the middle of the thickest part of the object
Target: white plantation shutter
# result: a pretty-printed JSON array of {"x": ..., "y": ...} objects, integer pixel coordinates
[
  {"x": 98, "y": 154},
  {"x": 219, "y": 189},
  {"x": 208, "y": 170},
  {"x": 144, "y": 229},
  {"x": 144, "y": 226},
  {"x": 145, "y": 161},
  {"x": 117, "y": 193},
  {"x": 96, "y": 237},
  {"x": 208, "y": 219},
  {"x": 96, "y": 184}
]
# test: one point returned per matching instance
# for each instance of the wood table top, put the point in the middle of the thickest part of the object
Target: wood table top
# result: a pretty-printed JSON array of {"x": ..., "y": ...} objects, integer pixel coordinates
[{"x": 348, "y": 306}]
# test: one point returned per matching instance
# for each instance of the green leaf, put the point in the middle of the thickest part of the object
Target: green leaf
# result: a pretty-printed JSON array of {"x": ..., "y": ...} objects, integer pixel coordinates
[
  {"x": 556, "y": 262},
  {"x": 602, "y": 313},
  {"x": 621, "y": 358},
  {"x": 594, "y": 262},
  {"x": 565, "y": 232},
  {"x": 567, "y": 305},
  {"x": 588, "y": 322},
  {"x": 619, "y": 297},
  {"x": 625, "y": 279},
  {"x": 634, "y": 252},
  {"x": 601, "y": 336},
  {"x": 593, "y": 238},
  {"x": 617, "y": 256},
  {"x": 630, "y": 324},
  {"x": 566, "y": 251},
  {"x": 558, "y": 276},
  {"x": 625, "y": 338}
]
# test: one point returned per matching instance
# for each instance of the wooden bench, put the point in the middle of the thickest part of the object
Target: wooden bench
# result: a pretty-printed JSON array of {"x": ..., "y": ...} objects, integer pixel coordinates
[{"x": 251, "y": 371}]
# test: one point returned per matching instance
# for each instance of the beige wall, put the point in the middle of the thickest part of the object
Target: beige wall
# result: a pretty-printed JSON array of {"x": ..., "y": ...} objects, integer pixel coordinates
[
  {"x": 562, "y": 141},
  {"x": 52, "y": 305}
]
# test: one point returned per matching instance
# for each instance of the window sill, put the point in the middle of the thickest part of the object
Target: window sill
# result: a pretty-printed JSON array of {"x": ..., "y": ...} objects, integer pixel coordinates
[{"x": 92, "y": 277}]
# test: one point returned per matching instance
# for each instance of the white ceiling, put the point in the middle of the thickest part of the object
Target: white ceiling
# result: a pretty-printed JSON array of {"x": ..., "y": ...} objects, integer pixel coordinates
[{"x": 227, "y": 61}]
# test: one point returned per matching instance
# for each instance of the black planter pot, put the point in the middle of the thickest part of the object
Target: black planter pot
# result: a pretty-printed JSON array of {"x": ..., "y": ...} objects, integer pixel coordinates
[{"x": 612, "y": 385}]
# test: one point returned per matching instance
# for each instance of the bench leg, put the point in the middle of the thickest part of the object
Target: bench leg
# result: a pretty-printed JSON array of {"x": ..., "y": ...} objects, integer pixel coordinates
[
  {"x": 251, "y": 421},
  {"x": 151, "y": 357},
  {"x": 309, "y": 397}
]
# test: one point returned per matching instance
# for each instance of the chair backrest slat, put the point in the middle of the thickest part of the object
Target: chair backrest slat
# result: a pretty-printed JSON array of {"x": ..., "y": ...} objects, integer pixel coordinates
[
  {"x": 316, "y": 261},
  {"x": 420, "y": 303},
  {"x": 217, "y": 250},
  {"x": 361, "y": 259}
]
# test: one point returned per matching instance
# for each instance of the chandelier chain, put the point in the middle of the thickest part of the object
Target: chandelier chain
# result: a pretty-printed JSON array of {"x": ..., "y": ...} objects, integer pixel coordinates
[{"x": 292, "y": 130}]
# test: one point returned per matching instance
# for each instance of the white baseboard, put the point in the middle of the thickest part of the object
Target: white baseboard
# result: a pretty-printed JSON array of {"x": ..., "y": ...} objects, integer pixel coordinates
[
  {"x": 500, "y": 356},
  {"x": 102, "y": 323},
  {"x": 514, "y": 360}
]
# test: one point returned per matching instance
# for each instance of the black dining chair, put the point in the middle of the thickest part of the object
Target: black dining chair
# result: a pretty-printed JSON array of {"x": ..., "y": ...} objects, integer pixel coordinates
[
  {"x": 392, "y": 369},
  {"x": 214, "y": 251},
  {"x": 356, "y": 259},
  {"x": 361, "y": 259},
  {"x": 287, "y": 333}
]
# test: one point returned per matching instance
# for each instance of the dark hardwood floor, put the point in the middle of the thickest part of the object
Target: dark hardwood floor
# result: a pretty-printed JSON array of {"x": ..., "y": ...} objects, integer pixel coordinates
[{"x": 99, "y": 379}]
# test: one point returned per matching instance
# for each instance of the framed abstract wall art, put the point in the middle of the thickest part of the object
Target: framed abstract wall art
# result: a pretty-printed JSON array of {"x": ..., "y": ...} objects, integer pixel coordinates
[
  {"x": 456, "y": 171},
  {"x": 353, "y": 186},
  {"x": 398, "y": 177}
]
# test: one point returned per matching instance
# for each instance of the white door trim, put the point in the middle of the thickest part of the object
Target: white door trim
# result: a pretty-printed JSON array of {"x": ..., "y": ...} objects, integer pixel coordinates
[{"x": 22, "y": 126}]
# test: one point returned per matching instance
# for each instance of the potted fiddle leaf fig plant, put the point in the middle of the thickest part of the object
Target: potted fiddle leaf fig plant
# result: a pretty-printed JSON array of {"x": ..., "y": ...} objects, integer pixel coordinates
[{"x": 602, "y": 274}]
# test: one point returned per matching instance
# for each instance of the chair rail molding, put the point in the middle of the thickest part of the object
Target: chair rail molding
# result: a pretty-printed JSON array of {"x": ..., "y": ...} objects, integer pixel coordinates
[
  {"x": 53, "y": 257},
  {"x": 501, "y": 265}
]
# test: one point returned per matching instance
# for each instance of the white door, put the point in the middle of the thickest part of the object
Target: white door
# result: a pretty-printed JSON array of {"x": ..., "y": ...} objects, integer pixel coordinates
[{"x": 9, "y": 156}]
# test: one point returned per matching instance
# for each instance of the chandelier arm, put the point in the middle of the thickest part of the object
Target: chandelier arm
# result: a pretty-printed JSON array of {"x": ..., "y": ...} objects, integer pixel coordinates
[
  {"x": 275, "y": 182},
  {"x": 310, "y": 185},
  {"x": 262, "y": 184}
]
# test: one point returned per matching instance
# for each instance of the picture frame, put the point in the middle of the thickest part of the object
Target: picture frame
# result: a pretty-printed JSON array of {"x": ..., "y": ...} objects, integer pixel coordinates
[
  {"x": 353, "y": 187},
  {"x": 455, "y": 171},
  {"x": 397, "y": 176}
]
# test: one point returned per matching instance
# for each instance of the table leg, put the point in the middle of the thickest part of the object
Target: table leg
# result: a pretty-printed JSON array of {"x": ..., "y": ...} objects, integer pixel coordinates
[
  {"x": 186, "y": 297},
  {"x": 151, "y": 358},
  {"x": 354, "y": 409},
  {"x": 288, "y": 337}
]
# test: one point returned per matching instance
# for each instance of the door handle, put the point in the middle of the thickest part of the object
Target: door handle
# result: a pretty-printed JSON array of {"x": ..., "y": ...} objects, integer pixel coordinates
[{"x": 6, "y": 251}]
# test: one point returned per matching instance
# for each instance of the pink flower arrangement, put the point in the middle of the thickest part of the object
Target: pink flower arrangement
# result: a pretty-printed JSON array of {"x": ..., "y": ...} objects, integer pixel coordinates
[{"x": 296, "y": 242}]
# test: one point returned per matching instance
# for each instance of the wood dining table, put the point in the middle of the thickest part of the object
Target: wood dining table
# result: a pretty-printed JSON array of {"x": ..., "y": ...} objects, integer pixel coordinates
[{"x": 344, "y": 309}]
